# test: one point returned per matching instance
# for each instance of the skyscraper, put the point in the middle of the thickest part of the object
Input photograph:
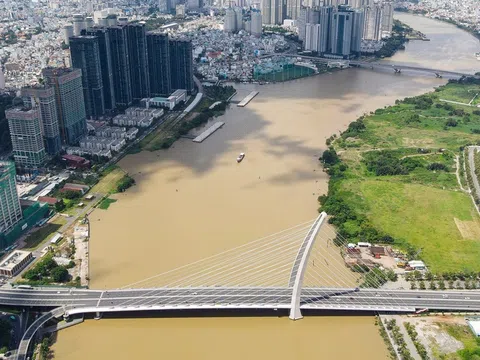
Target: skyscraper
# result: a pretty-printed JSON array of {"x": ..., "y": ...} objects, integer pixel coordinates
[
  {"x": 106, "y": 65},
  {"x": 387, "y": 22},
  {"x": 26, "y": 134},
  {"x": 307, "y": 16},
  {"x": 10, "y": 209},
  {"x": 324, "y": 17},
  {"x": 341, "y": 32},
  {"x": 137, "y": 53},
  {"x": 43, "y": 99},
  {"x": 181, "y": 64},
  {"x": 67, "y": 84},
  {"x": 373, "y": 22},
  {"x": 85, "y": 54},
  {"x": 165, "y": 6},
  {"x": 120, "y": 65},
  {"x": 256, "y": 25},
  {"x": 293, "y": 9},
  {"x": 78, "y": 24},
  {"x": 311, "y": 37},
  {"x": 273, "y": 11},
  {"x": 230, "y": 20},
  {"x": 159, "y": 64},
  {"x": 357, "y": 31},
  {"x": 67, "y": 33}
]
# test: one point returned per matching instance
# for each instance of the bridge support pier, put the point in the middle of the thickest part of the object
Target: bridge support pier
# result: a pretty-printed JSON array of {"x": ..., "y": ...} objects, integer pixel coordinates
[
  {"x": 300, "y": 265},
  {"x": 98, "y": 315}
]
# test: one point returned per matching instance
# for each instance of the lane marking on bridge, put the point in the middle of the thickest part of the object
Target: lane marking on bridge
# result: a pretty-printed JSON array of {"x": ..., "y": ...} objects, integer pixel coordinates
[{"x": 100, "y": 298}]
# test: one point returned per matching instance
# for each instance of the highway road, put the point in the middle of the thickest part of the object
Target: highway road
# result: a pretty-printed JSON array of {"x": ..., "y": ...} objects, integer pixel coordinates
[
  {"x": 75, "y": 301},
  {"x": 128, "y": 300},
  {"x": 471, "y": 162}
]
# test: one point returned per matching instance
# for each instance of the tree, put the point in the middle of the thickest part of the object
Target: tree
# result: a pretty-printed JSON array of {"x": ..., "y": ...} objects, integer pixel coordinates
[
  {"x": 59, "y": 274},
  {"x": 329, "y": 157},
  {"x": 45, "y": 348},
  {"x": 418, "y": 275},
  {"x": 59, "y": 206},
  {"x": 421, "y": 285},
  {"x": 70, "y": 194}
]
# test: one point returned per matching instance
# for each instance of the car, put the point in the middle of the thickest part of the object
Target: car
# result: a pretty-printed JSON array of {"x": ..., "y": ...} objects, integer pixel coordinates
[
  {"x": 357, "y": 289},
  {"x": 467, "y": 298},
  {"x": 58, "y": 292},
  {"x": 445, "y": 296}
]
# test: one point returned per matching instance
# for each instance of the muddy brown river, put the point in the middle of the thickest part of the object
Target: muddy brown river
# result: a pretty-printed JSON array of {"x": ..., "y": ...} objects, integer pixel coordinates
[{"x": 194, "y": 200}]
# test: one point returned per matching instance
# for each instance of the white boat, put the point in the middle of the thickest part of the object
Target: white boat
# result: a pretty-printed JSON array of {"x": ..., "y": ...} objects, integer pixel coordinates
[{"x": 240, "y": 157}]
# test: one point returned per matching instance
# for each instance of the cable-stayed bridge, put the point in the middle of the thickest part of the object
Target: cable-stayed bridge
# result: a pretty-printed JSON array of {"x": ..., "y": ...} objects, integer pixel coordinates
[{"x": 301, "y": 268}]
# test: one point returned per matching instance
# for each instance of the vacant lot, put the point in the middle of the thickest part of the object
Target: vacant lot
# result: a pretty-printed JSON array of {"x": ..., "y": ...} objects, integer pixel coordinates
[
  {"x": 406, "y": 188},
  {"x": 425, "y": 217},
  {"x": 108, "y": 184},
  {"x": 34, "y": 239}
]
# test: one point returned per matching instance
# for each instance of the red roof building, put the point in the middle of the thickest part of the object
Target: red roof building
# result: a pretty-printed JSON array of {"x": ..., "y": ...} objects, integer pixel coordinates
[
  {"x": 49, "y": 200},
  {"x": 77, "y": 162}
]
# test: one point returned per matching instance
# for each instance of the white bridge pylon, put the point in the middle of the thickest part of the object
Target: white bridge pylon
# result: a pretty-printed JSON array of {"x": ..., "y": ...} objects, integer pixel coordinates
[{"x": 300, "y": 265}]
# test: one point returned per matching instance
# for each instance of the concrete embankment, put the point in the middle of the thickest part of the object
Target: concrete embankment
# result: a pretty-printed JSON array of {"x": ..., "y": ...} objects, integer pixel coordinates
[
  {"x": 62, "y": 325},
  {"x": 247, "y": 99},
  {"x": 208, "y": 132}
]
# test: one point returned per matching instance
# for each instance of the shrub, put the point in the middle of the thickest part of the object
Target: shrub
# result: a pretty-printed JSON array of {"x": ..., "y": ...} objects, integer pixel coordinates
[
  {"x": 451, "y": 123},
  {"x": 437, "y": 166}
]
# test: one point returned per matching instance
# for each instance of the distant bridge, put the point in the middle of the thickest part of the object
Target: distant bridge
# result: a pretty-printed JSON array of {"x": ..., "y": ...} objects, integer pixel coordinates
[
  {"x": 288, "y": 270},
  {"x": 387, "y": 66}
]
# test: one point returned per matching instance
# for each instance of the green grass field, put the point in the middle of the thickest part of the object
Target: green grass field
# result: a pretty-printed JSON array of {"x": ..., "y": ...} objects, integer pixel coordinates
[
  {"x": 423, "y": 208},
  {"x": 105, "y": 204},
  {"x": 108, "y": 184},
  {"x": 461, "y": 93},
  {"x": 425, "y": 217}
]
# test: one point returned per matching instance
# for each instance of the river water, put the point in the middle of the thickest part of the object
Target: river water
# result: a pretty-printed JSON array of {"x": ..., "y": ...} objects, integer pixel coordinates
[{"x": 194, "y": 200}]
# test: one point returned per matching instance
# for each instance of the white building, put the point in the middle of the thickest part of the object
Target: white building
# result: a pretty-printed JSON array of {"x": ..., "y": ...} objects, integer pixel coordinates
[
  {"x": 140, "y": 117},
  {"x": 230, "y": 20},
  {"x": 372, "y": 29},
  {"x": 170, "y": 102},
  {"x": 15, "y": 262}
]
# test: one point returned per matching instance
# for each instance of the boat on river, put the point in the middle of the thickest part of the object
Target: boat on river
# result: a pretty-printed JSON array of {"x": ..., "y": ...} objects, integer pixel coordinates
[{"x": 240, "y": 157}]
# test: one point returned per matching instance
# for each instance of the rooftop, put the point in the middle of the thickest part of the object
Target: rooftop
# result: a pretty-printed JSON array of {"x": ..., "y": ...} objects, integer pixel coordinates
[{"x": 13, "y": 259}]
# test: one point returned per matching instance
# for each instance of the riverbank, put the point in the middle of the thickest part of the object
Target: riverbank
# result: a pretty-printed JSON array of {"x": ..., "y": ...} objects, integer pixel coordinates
[
  {"x": 448, "y": 21},
  {"x": 394, "y": 179}
]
